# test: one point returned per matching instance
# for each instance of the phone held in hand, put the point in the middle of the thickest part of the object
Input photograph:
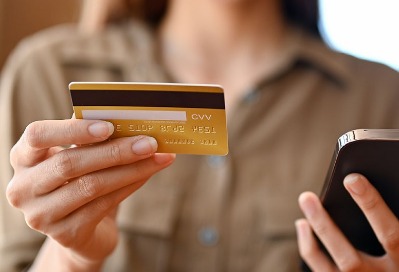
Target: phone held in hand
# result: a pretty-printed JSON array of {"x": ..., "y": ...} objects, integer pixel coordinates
[{"x": 373, "y": 153}]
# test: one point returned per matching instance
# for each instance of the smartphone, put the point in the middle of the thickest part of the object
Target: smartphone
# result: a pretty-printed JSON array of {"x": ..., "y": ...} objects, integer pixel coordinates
[{"x": 373, "y": 153}]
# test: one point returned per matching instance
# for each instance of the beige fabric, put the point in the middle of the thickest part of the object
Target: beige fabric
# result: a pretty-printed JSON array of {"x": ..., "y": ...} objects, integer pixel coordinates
[{"x": 233, "y": 213}]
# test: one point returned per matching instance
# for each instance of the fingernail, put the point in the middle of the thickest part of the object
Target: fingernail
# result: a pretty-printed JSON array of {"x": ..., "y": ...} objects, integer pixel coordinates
[
  {"x": 355, "y": 184},
  {"x": 308, "y": 206},
  {"x": 164, "y": 158},
  {"x": 301, "y": 228},
  {"x": 145, "y": 146},
  {"x": 101, "y": 129}
]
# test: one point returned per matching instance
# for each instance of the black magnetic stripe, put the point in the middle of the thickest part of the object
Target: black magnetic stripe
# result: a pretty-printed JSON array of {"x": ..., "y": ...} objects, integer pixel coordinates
[{"x": 148, "y": 99}]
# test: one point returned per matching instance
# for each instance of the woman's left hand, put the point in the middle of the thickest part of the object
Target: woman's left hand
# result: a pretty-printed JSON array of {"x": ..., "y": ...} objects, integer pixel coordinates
[{"x": 345, "y": 256}]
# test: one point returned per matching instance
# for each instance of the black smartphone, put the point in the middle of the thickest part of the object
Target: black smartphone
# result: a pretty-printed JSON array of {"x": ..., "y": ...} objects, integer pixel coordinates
[{"x": 373, "y": 153}]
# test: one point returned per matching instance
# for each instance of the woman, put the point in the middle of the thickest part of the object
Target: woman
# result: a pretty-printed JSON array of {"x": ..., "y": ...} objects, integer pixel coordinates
[{"x": 288, "y": 98}]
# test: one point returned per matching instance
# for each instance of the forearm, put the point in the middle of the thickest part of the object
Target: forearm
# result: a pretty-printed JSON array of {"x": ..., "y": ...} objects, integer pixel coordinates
[{"x": 54, "y": 257}]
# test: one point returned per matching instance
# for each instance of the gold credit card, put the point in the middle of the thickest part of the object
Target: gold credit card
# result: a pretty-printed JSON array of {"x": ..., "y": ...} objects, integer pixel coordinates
[{"x": 183, "y": 118}]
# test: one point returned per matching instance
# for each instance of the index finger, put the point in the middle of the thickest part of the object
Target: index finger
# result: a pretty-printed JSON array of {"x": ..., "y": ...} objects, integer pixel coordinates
[
  {"x": 381, "y": 218},
  {"x": 39, "y": 136},
  {"x": 337, "y": 245}
]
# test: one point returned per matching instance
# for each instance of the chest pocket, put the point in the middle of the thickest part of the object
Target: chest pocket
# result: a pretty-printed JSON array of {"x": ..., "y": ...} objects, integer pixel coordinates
[
  {"x": 147, "y": 221},
  {"x": 151, "y": 210}
]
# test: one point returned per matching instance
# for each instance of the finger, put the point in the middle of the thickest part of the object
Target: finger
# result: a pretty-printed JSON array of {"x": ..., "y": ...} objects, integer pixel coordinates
[
  {"x": 342, "y": 252},
  {"x": 75, "y": 162},
  {"x": 85, "y": 189},
  {"x": 383, "y": 221},
  {"x": 309, "y": 249},
  {"x": 75, "y": 229},
  {"x": 39, "y": 136}
]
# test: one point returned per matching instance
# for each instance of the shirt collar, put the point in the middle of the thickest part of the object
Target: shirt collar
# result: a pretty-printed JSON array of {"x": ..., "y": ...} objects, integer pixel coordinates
[
  {"x": 304, "y": 49},
  {"x": 318, "y": 54}
]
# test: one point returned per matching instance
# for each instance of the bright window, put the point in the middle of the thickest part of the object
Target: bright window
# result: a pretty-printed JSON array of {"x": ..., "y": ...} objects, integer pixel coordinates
[{"x": 368, "y": 29}]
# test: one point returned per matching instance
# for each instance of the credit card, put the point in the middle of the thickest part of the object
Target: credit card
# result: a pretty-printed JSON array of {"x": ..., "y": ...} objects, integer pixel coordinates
[{"x": 183, "y": 118}]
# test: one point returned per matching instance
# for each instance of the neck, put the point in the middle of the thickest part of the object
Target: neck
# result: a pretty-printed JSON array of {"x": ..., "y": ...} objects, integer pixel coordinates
[{"x": 217, "y": 41}]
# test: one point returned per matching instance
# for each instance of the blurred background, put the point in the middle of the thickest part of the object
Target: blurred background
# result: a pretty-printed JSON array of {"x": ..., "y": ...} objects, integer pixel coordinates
[
  {"x": 19, "y": 18},
  {"x": 368, "y": 29},
  {"x": 365, "y": 28}
]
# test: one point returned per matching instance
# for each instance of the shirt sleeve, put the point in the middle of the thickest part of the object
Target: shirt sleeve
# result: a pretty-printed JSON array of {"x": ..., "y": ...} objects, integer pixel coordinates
[{"x": 28, "y": 85}]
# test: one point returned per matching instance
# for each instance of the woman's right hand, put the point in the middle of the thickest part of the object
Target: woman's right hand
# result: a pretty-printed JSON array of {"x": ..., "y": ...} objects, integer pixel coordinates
[{"x": 71, "y": 194}]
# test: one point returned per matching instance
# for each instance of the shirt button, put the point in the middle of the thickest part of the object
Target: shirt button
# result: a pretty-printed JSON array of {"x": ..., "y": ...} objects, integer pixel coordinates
[
  {"x": 208, "y": 236},
  {"x": 216, "y": 161},
  {"x": 251, "y": 97}
]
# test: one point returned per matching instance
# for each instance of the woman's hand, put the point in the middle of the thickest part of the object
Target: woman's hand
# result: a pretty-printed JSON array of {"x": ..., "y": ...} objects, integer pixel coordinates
[
  {"x": 71, "y": 194},
  {"x": 345, "y": 256}
]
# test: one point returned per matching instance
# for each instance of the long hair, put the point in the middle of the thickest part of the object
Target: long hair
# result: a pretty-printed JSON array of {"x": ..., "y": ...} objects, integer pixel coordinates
[{"x": 303, "y": 13}]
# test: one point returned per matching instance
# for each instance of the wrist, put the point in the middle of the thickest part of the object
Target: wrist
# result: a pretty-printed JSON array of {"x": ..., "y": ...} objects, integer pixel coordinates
[{"x": 54, "y": 257}]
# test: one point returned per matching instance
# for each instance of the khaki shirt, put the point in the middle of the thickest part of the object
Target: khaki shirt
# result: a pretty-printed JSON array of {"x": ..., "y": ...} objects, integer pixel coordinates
[{"x": 205, "y": 213}]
